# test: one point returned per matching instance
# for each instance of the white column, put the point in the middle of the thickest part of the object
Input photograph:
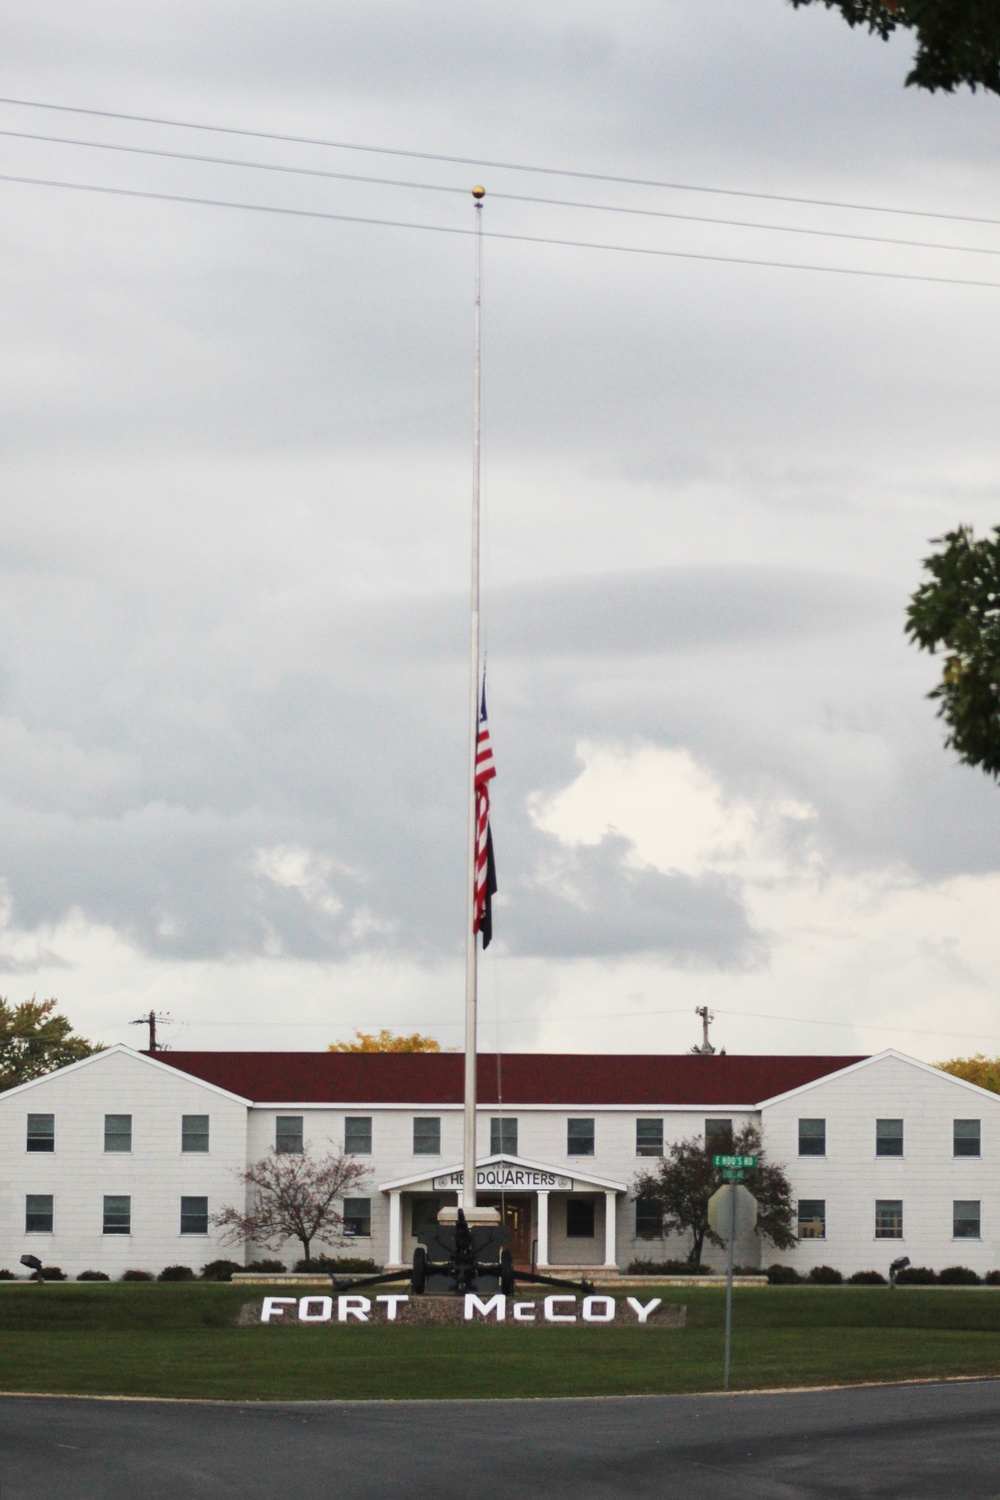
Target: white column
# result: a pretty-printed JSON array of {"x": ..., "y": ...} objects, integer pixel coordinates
[
  {"x": 543, "y": 1228},
  {"x": 610, "y": 1229},
  {"x": 395, "y": 1228}
]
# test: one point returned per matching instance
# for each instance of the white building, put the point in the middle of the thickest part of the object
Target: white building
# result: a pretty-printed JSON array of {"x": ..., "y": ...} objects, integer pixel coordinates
[{"x": 120, "y": 1161}]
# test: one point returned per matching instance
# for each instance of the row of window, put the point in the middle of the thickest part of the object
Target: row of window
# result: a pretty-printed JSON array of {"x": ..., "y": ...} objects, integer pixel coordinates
[
  {"x": 966, "y": 1138},
  {"x": 966, "y": 1219},
  {"x": 39, "y": 1215},
  {"x": 41, "y": 1134}
]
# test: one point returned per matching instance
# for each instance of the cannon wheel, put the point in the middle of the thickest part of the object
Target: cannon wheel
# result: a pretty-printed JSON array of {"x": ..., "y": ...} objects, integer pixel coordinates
[
  {"x": 507, "y": 1271},
  {"x": 418, "y": 1276}
]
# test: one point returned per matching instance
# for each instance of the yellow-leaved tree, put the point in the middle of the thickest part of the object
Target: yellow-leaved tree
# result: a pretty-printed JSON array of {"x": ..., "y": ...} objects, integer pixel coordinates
[
  {"x": 979, "y": 1069},
  {"x": 387, "y": 1041}
]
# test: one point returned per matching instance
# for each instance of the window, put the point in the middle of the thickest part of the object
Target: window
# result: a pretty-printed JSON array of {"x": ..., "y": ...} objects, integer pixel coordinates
[
  {"x": 357, "y": 1218},
  {"x": 358, "y": 1135},
  {"x": 718, "y": 1137},
  {"x": 580, "y": 1138},
  {"x": 888, "y": 1219},
  {"x": 288, "y": 1135},
  {"x": 424, "y": 1213},
  {"x": 812, "y": 1137},
  {"x": 888, "y": 1137},
  {"x": 579, "y": 1218},
  {"x": 194, "y": 1216},
  {"x": 966, "y": 1139},
  {"x": 648, "y": 1220},
  {"x": 427, "y": 1136},
  {"x": 812, "y": 1218},
  {"x": 41, "y": 1133},
  {"x": 117, "y": 1132},
  {"x": 649, "y": 1137},
  {"x": 38, "y": 1213},
  {"x": 965, "y": 1219},
  {"x": 194, "y": 1133},
  {"x": 117, "y": 1215},
  {"x": 503, "y": 1137}
]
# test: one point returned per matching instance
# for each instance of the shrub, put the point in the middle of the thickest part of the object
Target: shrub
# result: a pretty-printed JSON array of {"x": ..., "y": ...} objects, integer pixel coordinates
[
  {"x": 93, "y": 1276},
  {"x": 668, "y": 1268},
  {"x": 783, "y": 1275},
  {"x": 137, "y": 1276},
  {"x": 6, "y": 1275},
  {"x": 337, "y": 1265},
  {"x": 277, "y": 1266},
  {"x": 992, "y": 1278},
  {"x": 825, "y": 1276},
  {"x": 867, "y": 1278},
  {"x": 916, "y": 1276},
  {"x": 957, "y": 1276},
  {"x": 220, "y": 1270},
  {"x": 53, "y": 1273},
  {"x": 176, "y": 1273}
]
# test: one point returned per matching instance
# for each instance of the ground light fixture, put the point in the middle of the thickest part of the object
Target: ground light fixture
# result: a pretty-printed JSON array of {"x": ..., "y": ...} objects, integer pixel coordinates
[{"x": 33, "y": 1264}]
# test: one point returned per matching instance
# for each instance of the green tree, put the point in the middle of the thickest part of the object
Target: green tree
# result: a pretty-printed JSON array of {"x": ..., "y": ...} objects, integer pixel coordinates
[
  {"x": 958, "y": 41},
  {"x": 34, "y": 1040},
  {"x": 957, "y": 611},
  {"x": 978, "y": 1069},
  {"x": 387, "y": 1041},
  {"x": 685, "y": 1179}
]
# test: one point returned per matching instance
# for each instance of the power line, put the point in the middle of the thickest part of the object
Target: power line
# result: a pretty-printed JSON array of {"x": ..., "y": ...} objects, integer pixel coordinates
[
  {"x": 493, "y": 234},
  {"x": 506, "y": 166},
  {"x": 439, "y": 187}
]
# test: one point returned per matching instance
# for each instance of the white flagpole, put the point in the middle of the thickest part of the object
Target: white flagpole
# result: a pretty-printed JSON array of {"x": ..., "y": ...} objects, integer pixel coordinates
[{"x": 469, "y": 1153}]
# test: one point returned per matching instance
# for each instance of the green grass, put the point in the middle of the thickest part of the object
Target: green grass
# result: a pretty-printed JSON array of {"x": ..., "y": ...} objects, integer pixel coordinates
[{"x": 179, "y": 1340}]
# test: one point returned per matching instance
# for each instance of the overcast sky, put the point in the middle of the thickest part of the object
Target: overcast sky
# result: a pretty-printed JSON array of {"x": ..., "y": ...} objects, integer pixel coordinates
[{"x": 234, "y": 545}]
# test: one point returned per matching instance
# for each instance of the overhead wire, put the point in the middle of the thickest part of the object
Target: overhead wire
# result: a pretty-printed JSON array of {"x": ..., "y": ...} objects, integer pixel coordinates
[{"x": 495, "y": 234}]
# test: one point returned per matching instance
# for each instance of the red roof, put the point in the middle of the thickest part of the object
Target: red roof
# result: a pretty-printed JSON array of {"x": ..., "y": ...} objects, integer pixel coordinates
[{"x": 528, "y": 1077}]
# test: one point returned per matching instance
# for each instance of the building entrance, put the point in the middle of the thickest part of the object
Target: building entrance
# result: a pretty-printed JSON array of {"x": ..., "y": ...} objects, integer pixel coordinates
[{"x": 516, "y": 1211}]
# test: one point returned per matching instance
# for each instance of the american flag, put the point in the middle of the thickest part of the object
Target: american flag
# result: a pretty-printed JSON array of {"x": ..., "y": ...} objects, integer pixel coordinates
[{"x": 486, "y": 875}]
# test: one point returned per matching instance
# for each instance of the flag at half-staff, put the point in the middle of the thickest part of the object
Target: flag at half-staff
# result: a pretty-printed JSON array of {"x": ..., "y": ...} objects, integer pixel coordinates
[{"x": 485, "y": 871}]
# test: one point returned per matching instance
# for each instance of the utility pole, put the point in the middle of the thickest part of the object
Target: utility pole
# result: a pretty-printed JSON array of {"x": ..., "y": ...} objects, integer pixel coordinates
[
  {"x": 151, "y": 1021},
  {"x": 706, "y": 1049}
]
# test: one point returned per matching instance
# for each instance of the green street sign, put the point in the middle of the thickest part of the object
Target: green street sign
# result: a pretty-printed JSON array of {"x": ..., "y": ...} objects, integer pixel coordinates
[
  {"x": 732, "y": 1175},
  {"x": 737, "y": 1162}
]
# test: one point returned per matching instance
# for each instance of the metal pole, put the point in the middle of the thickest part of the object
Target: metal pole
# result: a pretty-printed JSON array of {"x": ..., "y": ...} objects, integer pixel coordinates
[
  {"x": 729, "y": 1284},
  {"x": 469, "y": 1152}
]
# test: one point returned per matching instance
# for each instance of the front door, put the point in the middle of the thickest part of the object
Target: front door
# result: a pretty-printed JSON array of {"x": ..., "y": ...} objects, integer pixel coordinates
[{"x": 516, "y": 1213}]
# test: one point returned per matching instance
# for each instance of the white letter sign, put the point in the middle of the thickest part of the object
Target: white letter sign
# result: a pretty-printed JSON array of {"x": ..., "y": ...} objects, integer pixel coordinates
[
  {"x": 551, "y": 1316},
  {"x": 593, "y": 1314},
  {"x": 496, "y": 1305},
  {"x": 325, "y": 1309},
  {"x": 524, "y": 1312},
  {"x": 392, "y": 1301},
  {"x": 274, "y": 1307},
  {"x": 353, "y": 1307},
  {"x": 642, "y": 1313}
]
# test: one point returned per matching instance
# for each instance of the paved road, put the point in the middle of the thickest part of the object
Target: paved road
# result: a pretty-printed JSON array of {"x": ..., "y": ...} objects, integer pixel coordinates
[{"x": 932, "y": 1442}]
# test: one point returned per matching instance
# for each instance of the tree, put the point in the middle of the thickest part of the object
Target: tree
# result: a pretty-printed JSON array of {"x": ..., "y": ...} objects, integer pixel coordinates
[
  {"x": 34, "y": 1041},
  {"x": 387, "y": 1041},
  {"x": 958, "y": 41},
  {"x": 958, "y": 610},
  {"x": 685, "y": 1180},
  {"x": 979, "y": 1069},
  {"x": 292, "y": 1196}
]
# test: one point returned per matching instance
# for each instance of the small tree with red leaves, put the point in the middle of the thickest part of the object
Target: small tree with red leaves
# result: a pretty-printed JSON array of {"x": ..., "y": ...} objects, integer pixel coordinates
[{"x": 292, "y": 1195}]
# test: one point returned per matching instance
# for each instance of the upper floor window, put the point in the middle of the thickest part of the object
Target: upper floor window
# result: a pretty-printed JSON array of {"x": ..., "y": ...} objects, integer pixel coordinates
[
  {"x": 288, "y": 1135},
  {"x": 966, "y": 1140},
  {"x": 718, "y": 1137},
  {"x": 427, "y": 1135},
  {"x": 41, "y": 1133},
  {"x": 117, "y": 1132},
  {"x": 579, "y": 1218},
  {"x": 888, "y": 1137},
  {"x": 503, "y": 1137},
  {"x": 358, "y": 1135},
  {"x": 649, "y": 1137},
  {"x": 357, "y": 1218},
  {"x": 812, "y": 1137},
  {"x": 965, "y": 1219},
  {"x": 117, "y": 1215},
  {"x": 579, "y": 1138},
  {"x": 812, "y": 1218},
  {"x": 38, "y": 1208},
  {"x": 194, "y": 1216},
  {"x": 194, "y": 1133}
]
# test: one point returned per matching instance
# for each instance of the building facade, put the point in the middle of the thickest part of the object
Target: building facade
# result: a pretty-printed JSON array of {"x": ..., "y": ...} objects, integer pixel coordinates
[{"x": 121, "y": 1161}]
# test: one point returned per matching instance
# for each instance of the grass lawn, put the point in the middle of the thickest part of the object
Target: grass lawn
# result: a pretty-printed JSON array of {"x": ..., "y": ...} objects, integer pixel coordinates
[{"x": 180, "y": 1340}]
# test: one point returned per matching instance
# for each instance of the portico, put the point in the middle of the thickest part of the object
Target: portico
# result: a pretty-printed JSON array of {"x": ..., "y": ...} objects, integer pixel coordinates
[{"x": 556, "y": 1219}]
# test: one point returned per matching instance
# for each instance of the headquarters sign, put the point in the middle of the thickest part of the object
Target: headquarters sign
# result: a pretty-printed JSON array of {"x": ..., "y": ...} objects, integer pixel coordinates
[{"x": 502, "y": 1175}]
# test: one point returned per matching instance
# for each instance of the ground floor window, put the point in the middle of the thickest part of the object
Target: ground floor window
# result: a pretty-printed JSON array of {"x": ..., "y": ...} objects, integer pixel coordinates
[
  {"x": 38, "y": 1208},
  {"x": 357, "y": 1218},
  {"x": 888, "y": 1218},
  {"x": 117, "y": 1215},
  {"x": 194, "y": 1216},
  {"x": 812, "y": 1218},
  {"x": 965, "y": 1219},
  {"x": 579, "y": 1218},
  {"x": 648, "y": 1220}
]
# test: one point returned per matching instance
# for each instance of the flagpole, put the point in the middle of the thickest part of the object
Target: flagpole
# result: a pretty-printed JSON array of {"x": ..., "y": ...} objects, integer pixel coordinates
[{"x": 471, "y": 996}]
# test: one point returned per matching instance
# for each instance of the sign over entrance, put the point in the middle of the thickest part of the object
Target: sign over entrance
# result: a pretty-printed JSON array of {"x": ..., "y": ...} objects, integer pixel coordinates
[{"x": 509, "y": 1176}]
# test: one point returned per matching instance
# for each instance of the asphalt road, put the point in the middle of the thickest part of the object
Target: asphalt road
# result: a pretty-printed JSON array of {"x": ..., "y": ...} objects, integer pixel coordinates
[{"x": 895, "y": 1441}]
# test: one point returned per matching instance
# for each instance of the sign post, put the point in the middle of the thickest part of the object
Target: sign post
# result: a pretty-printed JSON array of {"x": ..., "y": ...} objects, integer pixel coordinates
[{"x": 731, "y": 1211}]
